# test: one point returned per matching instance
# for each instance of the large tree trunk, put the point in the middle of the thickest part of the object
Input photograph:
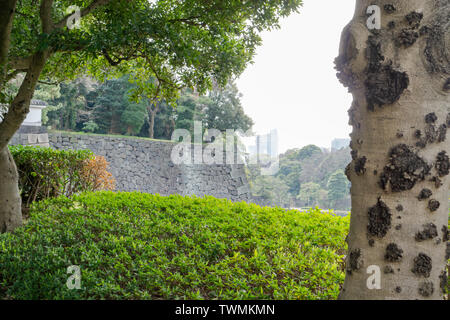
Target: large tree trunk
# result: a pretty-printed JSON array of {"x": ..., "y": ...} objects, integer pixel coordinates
[
  {"x": 399, "y": 78},
  {"x": 10, "y": 201}
]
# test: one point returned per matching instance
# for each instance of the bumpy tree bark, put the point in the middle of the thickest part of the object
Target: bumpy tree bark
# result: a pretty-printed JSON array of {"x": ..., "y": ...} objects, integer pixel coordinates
[{"x": 399, "y": 78}]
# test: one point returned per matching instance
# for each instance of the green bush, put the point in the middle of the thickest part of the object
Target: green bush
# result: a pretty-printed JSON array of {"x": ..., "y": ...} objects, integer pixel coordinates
[
  {"x": 142, "y": 246},
  {"x": 46, "y": 172}
]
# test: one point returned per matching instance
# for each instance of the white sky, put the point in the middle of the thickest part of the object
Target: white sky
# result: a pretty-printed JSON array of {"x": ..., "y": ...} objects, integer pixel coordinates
[{"x": 292, "y": 85}]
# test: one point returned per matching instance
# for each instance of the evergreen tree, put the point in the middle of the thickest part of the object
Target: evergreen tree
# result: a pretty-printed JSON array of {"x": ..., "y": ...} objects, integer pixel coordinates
[
  {"x": 72, "y": 100},
  {"x": 309, "y": 194},
  {"x": 114, "y": 112},
  {"x": 338, "y": 186},
  {"x": 223, "y": 110}
]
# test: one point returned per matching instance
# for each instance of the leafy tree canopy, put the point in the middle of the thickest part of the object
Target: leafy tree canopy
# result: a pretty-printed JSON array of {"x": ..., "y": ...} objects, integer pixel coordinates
[
  {"x": 180, "y": 43},
  {"x": 309, "y": 192},
  {"x": 223, "y": 110}
]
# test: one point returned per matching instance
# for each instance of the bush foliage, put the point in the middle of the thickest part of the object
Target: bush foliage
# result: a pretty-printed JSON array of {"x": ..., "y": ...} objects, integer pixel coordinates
[
  {"x": 46, "y": 173},
  {"x": 142, "y": 246},
  {"x": 95, "y": 175}
]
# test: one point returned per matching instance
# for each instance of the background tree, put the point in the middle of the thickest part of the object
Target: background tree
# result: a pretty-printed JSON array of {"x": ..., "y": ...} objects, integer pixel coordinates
[
  {"x": 49, "y": 94},
  {"x": 113, "y": 108},
  {"x": 223, "y": 110},
  {"x": 337, "y": 187},
  {"x": 309, "y": 194},
  {"x": 289, "y": 172},
  {"x": 399, "y": 78},
  {"x": 133, "y": 117},
  {"x": 271, "y": 190},
  {"x": 90, "y": 126},
  {"x": 68, "y": 103},
  {"x": 72, "y": 98},
  {"x": 165, "y": 122},
  {"x": 188, "y": 111},
  {"x": 307, "y": 152},
  {"x": 310, "y": 164}
]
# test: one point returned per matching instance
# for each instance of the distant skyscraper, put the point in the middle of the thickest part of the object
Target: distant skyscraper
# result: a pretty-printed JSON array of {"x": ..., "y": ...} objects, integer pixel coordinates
[
  {"x": 338, "y": 144},
  {"x": 267, "y": 144},
  {"x": 273, "y": 146}
]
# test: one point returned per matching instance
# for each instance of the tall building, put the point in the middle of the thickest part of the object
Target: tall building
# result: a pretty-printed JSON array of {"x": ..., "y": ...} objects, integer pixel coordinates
[{"x": 267, "y": 144}]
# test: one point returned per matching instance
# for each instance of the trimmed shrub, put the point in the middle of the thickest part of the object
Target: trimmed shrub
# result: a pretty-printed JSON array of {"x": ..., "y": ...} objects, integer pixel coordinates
[
  {"x": 95, "y": 175},
  {"x": 143, "y": 246},
  {"x": 45, "y": 172}
]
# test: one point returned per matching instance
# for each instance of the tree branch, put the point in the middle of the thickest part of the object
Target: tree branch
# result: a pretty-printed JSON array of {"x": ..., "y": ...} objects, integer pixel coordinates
[
  {"x": 19, "y": 63},
  {"x": 24, "y": 15},
  {"x": 159, "y": 78},
  {"x": 110, "y": 60},
  {"x": 190, "y": 21},
  {"x": 20, "y": 106},
  {"x": 45, "y": 13},
  {"x": 131, "y": 55},
  {"x": 48, "y": 82},
  {"x": 13, "y": 74}
]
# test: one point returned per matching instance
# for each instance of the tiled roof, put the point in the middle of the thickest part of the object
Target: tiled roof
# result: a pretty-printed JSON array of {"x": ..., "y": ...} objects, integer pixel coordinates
[{"x": 38, "y": 103}]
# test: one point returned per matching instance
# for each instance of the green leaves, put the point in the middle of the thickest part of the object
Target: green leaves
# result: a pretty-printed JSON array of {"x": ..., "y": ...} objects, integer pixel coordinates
[
  {"x": 45, "y": 172},
  {"x": 181, "y": 43},
  {"x": 114, "y": 112},
  {"x": 142, "y": 246}
]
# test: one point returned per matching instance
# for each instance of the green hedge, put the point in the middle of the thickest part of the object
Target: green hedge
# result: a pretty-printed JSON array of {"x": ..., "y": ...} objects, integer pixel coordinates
[
  {"x": 45, "y": 172},
  {"x": 142, "y": 246}
]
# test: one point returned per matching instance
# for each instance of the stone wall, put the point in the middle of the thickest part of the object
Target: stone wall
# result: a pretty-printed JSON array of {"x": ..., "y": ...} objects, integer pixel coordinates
[
  {"x": 145, "y": 165},
  {"x": 31, "y": 136}
]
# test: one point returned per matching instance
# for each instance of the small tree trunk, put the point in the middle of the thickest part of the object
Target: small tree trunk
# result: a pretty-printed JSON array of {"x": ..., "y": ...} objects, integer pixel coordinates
[
  {"x": 399, "y": 78},
  {"x": 151, "y": 122},
  {"x": 114, "y": 126},
  {"x": 10, "y": 201}
]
